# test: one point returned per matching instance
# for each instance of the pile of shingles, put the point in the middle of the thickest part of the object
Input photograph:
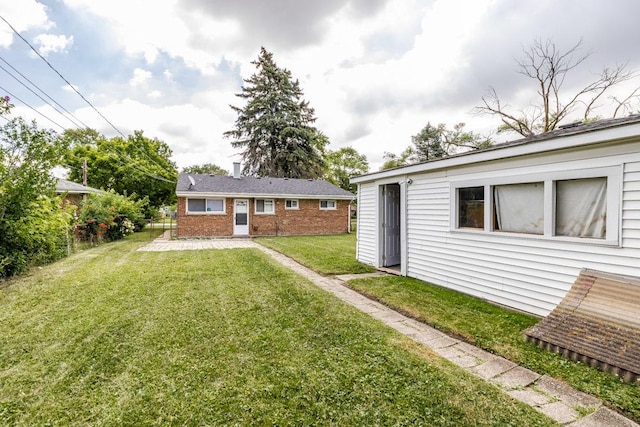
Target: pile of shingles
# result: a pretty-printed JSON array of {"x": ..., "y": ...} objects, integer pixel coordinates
[{"x": 597, "y": 323}]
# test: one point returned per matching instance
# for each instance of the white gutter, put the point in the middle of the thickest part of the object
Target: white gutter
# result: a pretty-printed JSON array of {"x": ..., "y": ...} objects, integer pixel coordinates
[
  {"x": 617, "y": 133},
  {"x": 261, "y": 195}
]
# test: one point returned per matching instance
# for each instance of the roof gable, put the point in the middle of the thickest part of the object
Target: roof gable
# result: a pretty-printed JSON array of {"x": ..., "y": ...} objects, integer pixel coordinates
[{"x": 255, "y": 186}]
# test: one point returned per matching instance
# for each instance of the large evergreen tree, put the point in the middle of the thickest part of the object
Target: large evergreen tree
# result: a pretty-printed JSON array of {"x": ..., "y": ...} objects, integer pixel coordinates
[{"x": 274, "y": 128}]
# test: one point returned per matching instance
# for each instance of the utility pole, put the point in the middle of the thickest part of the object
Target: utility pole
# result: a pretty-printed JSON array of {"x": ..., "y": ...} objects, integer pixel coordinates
[{"x": 84, "y": 172}]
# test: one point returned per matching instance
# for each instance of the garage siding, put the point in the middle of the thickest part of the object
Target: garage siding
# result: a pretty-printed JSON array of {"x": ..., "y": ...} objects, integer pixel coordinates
[
  {"x": 532, "y": 274},
  {"x": 366, "y": 229}
]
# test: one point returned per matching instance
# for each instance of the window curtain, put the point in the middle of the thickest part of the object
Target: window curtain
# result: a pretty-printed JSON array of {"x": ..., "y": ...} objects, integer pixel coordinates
[
  {"x": 581, "y": 208},
  {"x": 519, "y": 208},
  {"x": 195, "y": 205}
]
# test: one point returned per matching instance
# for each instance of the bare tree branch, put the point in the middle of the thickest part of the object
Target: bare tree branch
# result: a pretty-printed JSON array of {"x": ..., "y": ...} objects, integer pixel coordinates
[{"x": 549, "y": 67}]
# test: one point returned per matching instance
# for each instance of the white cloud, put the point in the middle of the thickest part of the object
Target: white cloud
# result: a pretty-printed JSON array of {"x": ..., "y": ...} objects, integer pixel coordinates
[
  {"x": 140, "y": 77},
  {"x": 376, "y": 71},
  {"x": 50, "y": 43},
  {"x": 23, "y": 15}
]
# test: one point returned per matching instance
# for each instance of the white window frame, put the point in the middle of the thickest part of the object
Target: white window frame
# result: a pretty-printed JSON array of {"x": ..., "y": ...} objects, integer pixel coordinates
[
  {"x": 289, "y": 204},
  {"x": 328, "y": 202},
  {"x": 206, "y": 201},
  {"x": 272, "y": 211},
  {"x": 614, "y": 197}
]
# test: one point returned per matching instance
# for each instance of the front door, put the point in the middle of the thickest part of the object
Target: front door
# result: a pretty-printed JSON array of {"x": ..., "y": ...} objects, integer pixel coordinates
[
  {"x": 391, "y": 225},
  {"x": 241, "y": 217}
]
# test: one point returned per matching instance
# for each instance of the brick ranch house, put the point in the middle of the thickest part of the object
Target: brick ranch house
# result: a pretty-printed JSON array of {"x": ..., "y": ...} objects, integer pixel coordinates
[
  {"x": 228, "y": 206},
  {"x": 73, "y": 192}
]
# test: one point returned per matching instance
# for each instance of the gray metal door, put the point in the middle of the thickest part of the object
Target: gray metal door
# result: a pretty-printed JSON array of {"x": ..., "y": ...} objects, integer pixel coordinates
[{"x": 391, "y": 225}]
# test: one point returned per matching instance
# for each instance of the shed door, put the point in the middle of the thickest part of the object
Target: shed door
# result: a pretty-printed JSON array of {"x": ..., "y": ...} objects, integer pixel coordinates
[
  {"x": 391, "y": 225},
  {"x": 241, "y": 217}
]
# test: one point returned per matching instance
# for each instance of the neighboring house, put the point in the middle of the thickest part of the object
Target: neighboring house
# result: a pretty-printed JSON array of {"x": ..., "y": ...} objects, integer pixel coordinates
[
  {"x": 226, "y": 206},
  {"x": 73, "y": 192},
  {"x": 514, "y": 223}
]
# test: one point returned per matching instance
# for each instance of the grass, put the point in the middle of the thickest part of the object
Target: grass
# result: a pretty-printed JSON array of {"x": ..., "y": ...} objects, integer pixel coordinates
[
  {"x": 497, "y": 330},
  {"x": 328, "y": 255},
  {"x": 111, "y": 336},
  {"x": 493, "y": 328}
]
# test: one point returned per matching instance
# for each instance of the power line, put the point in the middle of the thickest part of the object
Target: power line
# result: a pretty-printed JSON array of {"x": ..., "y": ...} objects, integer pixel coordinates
[
  {"x": 62, "y": 77},
  {"x": 87, "y": 101},
  {"x": 43, "y": 115},
  {"x": 43, "y": 92},
  {"x": 41, "y": 98}
]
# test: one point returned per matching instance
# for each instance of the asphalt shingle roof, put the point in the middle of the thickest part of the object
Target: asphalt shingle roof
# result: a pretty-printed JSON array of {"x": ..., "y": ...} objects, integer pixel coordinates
[
  {"x": 65, "y": 186},
  {"x": 247, "y": 185}
]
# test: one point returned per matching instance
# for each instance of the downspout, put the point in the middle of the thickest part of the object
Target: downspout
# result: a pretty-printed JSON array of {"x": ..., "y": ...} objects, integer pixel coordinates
[{"x": 349, "y": 217}]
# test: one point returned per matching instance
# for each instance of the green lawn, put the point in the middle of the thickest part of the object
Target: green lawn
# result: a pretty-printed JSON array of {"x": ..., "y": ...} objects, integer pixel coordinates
[
  {"x": 488, "y": 326},
  {"x": 110, "y": 336},
  {"x": 497, "y": 330},
  {"x": 326, "y": 255}
]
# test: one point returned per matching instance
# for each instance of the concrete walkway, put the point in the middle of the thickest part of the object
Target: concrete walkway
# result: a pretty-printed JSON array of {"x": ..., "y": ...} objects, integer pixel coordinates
[{"x": 547, "y": 395}]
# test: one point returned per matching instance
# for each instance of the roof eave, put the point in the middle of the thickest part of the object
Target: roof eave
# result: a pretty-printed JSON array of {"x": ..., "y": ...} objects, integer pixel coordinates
[
  {"x": 192, "y": 193},
  {"x": 593, "y": 137}
]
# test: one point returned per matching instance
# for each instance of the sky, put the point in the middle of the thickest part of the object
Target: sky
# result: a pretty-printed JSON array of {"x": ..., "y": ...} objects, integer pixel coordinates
[{"x": 375, "y": 71}]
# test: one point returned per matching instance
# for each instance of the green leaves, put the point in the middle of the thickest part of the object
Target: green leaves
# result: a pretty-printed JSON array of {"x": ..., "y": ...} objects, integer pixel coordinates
[
  {"x": 436, "y": 142},
  {"x": 136, "y": 165},
  {"x": 109, "y": 215},
  {"x": 274, "y": 128},
  {"x": 33, "y": 227},
  {"x": 344, "y": 163}
]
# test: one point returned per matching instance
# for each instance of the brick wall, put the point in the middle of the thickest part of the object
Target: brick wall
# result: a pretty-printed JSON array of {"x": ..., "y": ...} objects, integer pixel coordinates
[
  {"x": 307, "y": 219},
  {"x": 204, "y": 225}
]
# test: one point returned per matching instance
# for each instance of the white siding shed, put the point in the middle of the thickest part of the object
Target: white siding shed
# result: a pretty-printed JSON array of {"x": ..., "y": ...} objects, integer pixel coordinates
[{"x": 581, "y": 185}]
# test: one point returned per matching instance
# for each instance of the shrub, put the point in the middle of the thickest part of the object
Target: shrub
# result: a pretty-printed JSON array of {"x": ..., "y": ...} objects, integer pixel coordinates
[
  {"x": 33, "y": 226},
  {"x": 109, "y": 216}
]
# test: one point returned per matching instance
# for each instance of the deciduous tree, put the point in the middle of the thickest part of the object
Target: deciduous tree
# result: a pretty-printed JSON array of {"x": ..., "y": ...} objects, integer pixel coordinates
[
  {"x": 549, "y": 67},
  {"x": 434, "y": 142},
  {"x": 33, "y": 226},
  {"x": 274, "y": 128},
  {"x": 207, "y": 168},
  {"x": 135, "y": 165},
  {"x": 343, "y": 164}
]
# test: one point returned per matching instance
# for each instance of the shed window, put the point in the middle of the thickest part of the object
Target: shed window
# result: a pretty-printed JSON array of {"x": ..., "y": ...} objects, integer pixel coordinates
[
  {"x": 205, "y": 205},
  {"x": 567, "y": 205},
  {"x": 264, "y": 206},
  {"x": 581, "y": 208},
  {"x": 471, "y": 207},
  {"x": 327, "y": 204},
  {"x": 291, "y": 204},
  {"x": 519, "y": 208}
]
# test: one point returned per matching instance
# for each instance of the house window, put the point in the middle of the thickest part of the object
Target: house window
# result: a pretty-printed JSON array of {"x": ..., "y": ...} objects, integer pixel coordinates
[
  {"x": 471, "y": 207},
  {"x": 580, "y": 205},
  {"x": 205, "y": 206},
  {"x": 291, "y": 204},
  {"x": 327, "y": 204},
  {"x": 519, "y": 208},
  {"x": 264, "y": 206},
  {"x": 581, "y": 208}
]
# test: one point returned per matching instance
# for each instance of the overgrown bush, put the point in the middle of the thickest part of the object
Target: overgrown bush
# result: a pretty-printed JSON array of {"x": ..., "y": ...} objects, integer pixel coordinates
[
  {"x": 109, "y": 216},
  {"x": 33, "y": 227}
]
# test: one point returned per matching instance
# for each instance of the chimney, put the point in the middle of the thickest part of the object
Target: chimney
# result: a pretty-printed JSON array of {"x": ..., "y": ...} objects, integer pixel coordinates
[{"x": 236, "y": 170}]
